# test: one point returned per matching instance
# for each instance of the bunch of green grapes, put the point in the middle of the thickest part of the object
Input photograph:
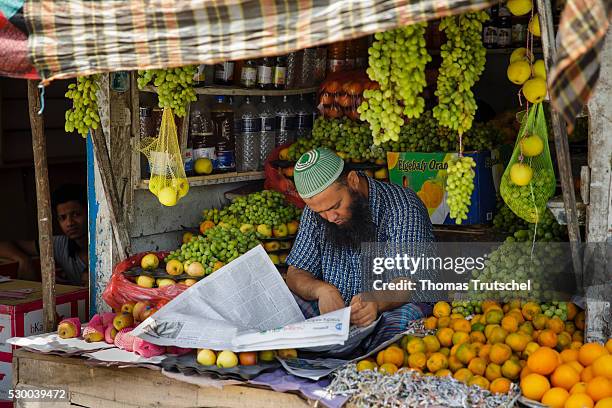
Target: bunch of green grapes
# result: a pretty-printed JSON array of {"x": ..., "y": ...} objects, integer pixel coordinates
[
  {"x": 397, "y": 62},
  {"x": 505, "y": 221},
  {"x": 84, "y": 112},
  {"x": 463, "y": 60},
  {"x": 174, "y": 86},
  {"x": 459, "y": 186},
  {"x": 218, "y": 244},
  {"x": 263, "y": 207},
  {"x": 211, "y": 214},
  {"x": 555, "y": 308}
]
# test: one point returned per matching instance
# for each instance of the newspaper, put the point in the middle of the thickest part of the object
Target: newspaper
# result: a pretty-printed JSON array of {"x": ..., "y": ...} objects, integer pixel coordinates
[{"x": 243, "y": 306}]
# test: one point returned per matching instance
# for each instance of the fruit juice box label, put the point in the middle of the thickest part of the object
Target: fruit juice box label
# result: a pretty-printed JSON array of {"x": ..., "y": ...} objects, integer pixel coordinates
[{"x": 425, "y": 174}]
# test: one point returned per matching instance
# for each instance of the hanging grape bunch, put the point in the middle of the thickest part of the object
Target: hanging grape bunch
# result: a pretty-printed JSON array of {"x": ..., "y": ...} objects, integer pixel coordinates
[
  {"x": 397, "y": 62},
  {"x": 463, "y": 60},
  {"x": 174, "y": 86},
  {"x": 459, "y": 186},
  {"x": 84, "y": 112}
]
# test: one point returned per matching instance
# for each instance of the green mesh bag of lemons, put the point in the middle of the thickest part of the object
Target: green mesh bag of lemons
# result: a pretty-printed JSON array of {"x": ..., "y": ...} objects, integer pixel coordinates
[
  {"x": 529, "y": 180},
  {"x": 168, "y": 181}
]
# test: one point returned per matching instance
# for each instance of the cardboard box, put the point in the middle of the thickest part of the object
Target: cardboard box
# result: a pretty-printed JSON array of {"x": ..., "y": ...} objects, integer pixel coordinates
[
  {"x": 425, "y": 173},
  {"x": 24, "y": 317}
]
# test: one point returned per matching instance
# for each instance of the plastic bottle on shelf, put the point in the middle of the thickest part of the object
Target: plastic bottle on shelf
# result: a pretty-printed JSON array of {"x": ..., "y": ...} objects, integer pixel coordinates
[
  {"x": 336, "y": 57},
  {"x": 489, "y": 28},
  {"x": 349, "y": 54},
  {"x": 224, "y": 73},
  {"x": 280, "y": 72},
  {"x": 504, "y": 28},
  {"x": 294, "y": 68},
  {"x": 304, "y": 118},
  {"x": 265, "y": 68},
  {"x": 309, "y": 61},
  {"x": 222, "y": 116},
  {"x": 247, "y": 140},
  {"x": 201, "y": 131},
  {"x": 286, "y": 118},
  {"x": 248, "y": 76},
  {"x": 267, "y": 126},
  {"x": 320, "y": 64}
]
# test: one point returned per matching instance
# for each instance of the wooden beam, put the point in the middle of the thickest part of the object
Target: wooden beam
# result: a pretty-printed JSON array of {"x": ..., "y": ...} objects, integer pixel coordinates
[
  {"x": 560, "y": 139},
  {"x": 43, "y": 203}
]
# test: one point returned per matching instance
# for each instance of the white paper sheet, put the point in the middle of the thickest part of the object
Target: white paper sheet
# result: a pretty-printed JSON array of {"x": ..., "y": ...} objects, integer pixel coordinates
[
  {"x": 116, "y": 355},
  {"x": 51, "y": 342}
]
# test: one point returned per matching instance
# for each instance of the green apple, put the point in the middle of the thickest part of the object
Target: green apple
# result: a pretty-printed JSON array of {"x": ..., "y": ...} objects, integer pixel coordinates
[
  {"x": 67, "y": 330},
  {"x": 145, "y": 281},
  {"x": 203, "y": 165},
  {"x": 164, "y": 282},
  {"x": 292, "y": 227},
  {"x": 206, "y": 357},
  {"x": 227, "y": 359},
  {"x": 285, "y": 245},
  {"x": 196, "y": 270},
  {"x": 246, "y": 228},
  {"x": 264, "y": 230},
  {"x": 271, "y": 246},
  {"x": 283, "y": 257},
  {"x": 149, "y": 261},
  {"x": 174, "y": 267},
  {"x": 123, "y": 320},
  {"x": 274, "y": 258},
  {"x": 139, "y": 309},
  {"x": 287, "y": 353},
  {"x": 267, "y": 355},
  {"x": 280, "y": 231},
  {"x": 189, "y": 282},
  {"x": 128, "y": 307},
  {"x": 93, "y": 336}
]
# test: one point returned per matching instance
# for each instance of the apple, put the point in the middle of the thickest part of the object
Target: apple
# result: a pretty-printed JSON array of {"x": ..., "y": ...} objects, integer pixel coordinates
[
  {"x": 248, "y": 358},
  {"x": 181, "y": 185},
  {"x": 292, "y": 227},
  {"x": 285, "y": 245},
  {"x": 203, "y": 165},
  {"x": 280, "y": 231},
  {"x": 145, "y": 281},
  {"x": 264, "y": 230},
  {"x": 138, "y": 310},
  {"x": 206, "y": 357},
  {"x": 196, "y": 270},
  {"x": 123, "y": 320},
  {"x": 156, "y": 183},
  {"x": 174, "y": 267},
  {"x": 168, "y": 196},
  {"x": 287, "y": 353},
  {"x": 274, "y": 258},
  {"x": 283, "y": 154},
  {"x": 69, "y": 328},
  {"x": 187, "y": 237},
  {"x": 381, "y": 174},
  {"x": 150, "y": 311},
  {"x": 189, "y": 282},
  {"x": 218, "y": 265},
  {"x": 283, "y": 257},
  {"x": 246, "y": 228},
  {"x": 93, "y": 334},
  {"x": 227, "y": 359},
  {"x": 206, "y": 225},
  {"x": 128, "y": 307},
  {"x": 109, "y": 334},
  {"x": 267, "y": 355},
  {"x": 149, "y": 261},
  {"x": 271, "y": 246},
  {"x": 163, "y": 282}
]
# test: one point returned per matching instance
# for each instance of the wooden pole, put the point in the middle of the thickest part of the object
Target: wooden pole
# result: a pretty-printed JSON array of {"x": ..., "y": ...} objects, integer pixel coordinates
[
  {"x": 561, "y": 143},
  {"x": 43, "y": 202}
]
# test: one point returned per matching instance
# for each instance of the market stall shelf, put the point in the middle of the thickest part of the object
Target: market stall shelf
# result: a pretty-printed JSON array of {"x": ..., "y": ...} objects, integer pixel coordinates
[
  {"x": 233, "y": 91},
  {"x": 108, "y": 387},
  {"x": 223, "y": 178}
]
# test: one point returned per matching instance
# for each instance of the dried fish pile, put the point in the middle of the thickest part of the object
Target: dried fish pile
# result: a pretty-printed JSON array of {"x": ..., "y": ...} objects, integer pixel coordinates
[
  {"x": 411, "y": 389},
  {"x": 417, "y": 328}
]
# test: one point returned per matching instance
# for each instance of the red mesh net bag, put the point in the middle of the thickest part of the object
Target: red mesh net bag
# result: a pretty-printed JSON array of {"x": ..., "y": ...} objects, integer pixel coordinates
[
  {"x": 275, "y": 180},
  {"x": 121, "y": 290}
]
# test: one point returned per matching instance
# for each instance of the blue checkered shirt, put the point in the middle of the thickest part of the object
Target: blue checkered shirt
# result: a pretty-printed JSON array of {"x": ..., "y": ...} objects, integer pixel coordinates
[{"x": 400, "y": 218}]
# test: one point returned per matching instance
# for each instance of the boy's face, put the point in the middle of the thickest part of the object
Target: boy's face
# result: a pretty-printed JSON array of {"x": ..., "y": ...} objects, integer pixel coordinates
[{"x": 72, "y": 219}]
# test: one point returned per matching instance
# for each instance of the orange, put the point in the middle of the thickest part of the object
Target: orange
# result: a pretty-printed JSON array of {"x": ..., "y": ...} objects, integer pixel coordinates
[
  {"x": 578, "y": 400},
  {"x": 489, "y": 329},
  {"x": 530, "y": 348},
  {"x": 578, "y": 336},
  {"x": 590, "y": 352},
  {"x": 453, "y": 349},
  {"x": 576, "y": 345},
  {"x": 500, "y": 386},
  {"x": 443, "y": 372},
  {"x": 366, "y": 365},
  {"x": 517, "y": 313},
  {"x": 460, "y": 338},
  {"x": 543, "y": 361},
  {"x": 494, "y": 316},
  {"x": 579, "y": 320},
  {"x": 599, "y": 388},
  {"x": 417, "y": 360},
  {"x": 510, "y": 323},
  {"x": 555, "y": 397},
  {"x": 564, "y": 376},
  {"x": 477, "y": 337},
  {"x": 500, "y": 353},
  {"x": 431, "y": 343},
  {"x": 564, "y": 340},
  {"x": 587, "y": 375},
  {"x": 388, "y": 368},
  {"x": 461, "y": 325},
  {"x": 443, "y": 321},
  {"x": 454, "y": 364},
  {"x": 569, "y": 355},
  {"x": 477, "y": 366},
  {"x": 479, "y": 381},
  {"x": 604, "y": 403},
  {"x": 579, "y": 388},
  {"x": 511, "y": 369},
  {"x": 493, "y": 371},
  {"x": 570, "y": 327},
  {"x": 534, "y": 386},
  {"x": 484, "y": 351},
  {"x": 530, "y": 310},
  {"x": 517, "y": 341},
  {"x": 547, "y": 338},
  {"x": 576, "y": 366},
  {"x": 445, "y": 351},
  {"x": 525, "y": 371},
  {"x": 465, "y": 353},
  {"x": 526, "y": 328},
  {"x": 489, "y": 304},
  {"x": 603, "y": 366},
  {"x": 431, "y": 323},
  {"x": 441, "y": 309},
  {"x": 609, "y": 345},
  {"x": 497, "y": 335},
  {"x": 445, "y": 336},
  {"x": 572, "y": 311},
  {"x": 380, "y": 357},
  {"x": 539, "y": 321},
  {"x": 463, "y": 375},
  {"x": 555, "y": 324},
  {"x": 416, "y": 345},
  {"x": 394, "y": 355},
  {"x": 437, "y": 362}
]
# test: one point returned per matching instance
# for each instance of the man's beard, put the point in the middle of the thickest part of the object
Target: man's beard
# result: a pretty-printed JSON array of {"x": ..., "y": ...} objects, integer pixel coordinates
[{"x": 358, "y": 229}]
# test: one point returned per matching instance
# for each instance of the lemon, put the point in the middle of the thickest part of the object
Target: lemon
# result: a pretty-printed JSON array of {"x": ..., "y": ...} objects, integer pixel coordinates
[
  {"x": 519, "y": 72},
  {"x": 539, "y": 69},
  {"x": 167, "y": 196},
  {"x": 521, "y": 174},
  {"x": 156, "y": 183},
  {"x": 203, "y": 166},
  {"x": 519, "y": 54},
  {"x": 519, "y": 7},
  {"x": 535, "y": 90},
  {"x": 532, "y": 146},
  {"x": 534, "y": 25}
]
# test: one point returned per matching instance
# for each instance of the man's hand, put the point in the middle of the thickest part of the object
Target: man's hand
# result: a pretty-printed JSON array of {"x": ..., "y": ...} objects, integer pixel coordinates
[
  {"x": 363, "y": 313},
  {"x": 329, "y": 298}
]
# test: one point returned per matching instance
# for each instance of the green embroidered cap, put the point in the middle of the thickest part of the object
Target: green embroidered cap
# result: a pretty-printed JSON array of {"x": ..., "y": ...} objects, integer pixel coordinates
[{"x": 316, "y": 170}]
